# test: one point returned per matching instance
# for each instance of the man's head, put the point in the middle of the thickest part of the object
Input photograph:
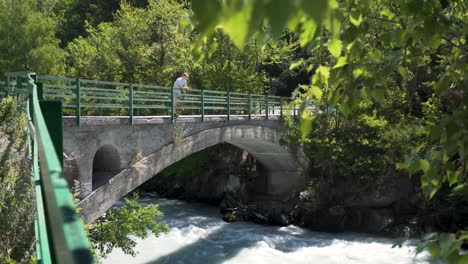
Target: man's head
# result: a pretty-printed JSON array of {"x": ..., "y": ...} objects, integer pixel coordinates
[{"x": 185, "y": 76}]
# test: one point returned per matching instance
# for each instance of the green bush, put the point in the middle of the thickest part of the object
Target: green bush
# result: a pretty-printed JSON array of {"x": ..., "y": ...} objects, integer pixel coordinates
[{"x": 16, "y": 187}]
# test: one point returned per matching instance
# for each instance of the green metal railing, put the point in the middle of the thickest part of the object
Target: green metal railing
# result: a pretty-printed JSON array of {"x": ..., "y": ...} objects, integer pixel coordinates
[
  {"x": 82, "y": 97},
  {"x": 60, "y": 234}
]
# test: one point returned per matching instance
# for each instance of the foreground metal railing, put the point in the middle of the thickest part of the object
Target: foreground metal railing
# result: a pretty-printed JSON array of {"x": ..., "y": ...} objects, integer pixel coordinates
[
  {"x": 97, "y": 98},
  {"x": 59, "y": 231}
]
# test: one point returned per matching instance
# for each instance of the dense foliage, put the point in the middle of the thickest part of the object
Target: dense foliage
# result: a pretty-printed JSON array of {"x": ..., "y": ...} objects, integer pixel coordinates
[
  {"x": 366, "y": 51},
  {"x": 16, "y": 187},
  {"x": 28, "y": 40}
]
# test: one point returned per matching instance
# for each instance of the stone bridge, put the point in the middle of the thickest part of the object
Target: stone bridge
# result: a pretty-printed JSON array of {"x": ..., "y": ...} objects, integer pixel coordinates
[{"x": 110, "y": 158}]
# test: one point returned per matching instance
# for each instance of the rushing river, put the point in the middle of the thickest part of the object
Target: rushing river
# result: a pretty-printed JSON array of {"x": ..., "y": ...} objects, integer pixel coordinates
[{"x": 199, "y": 235}]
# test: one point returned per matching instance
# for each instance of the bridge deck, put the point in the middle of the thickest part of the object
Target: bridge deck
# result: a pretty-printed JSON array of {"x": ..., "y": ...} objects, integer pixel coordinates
[{"x": 117, "y": 120}]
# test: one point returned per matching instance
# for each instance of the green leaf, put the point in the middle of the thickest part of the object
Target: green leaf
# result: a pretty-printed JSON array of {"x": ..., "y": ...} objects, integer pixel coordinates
[
  {"x": 452, "y": 176},
  {"x": 403, "y": 72},
  {"x": 236, "y": 24},
  {"x": 305, "y": 120},
  {"x": 435, "y": 132},
  {"x": 434, "y": 249},
  {"x": 433, "y": 192},
  {"x": 461, "y": 189},
  {"x": 334, "y": 46},
  {"x": 324, "y": 73},
  {"x": 355, "y": 18},
  {"x": 419, "y": 164},
  {"x": 278, "y": 13},
  {"x": 333, "y": 97},
  {"x": 358, "y": 72},
  {"x": 206, "y": 15},
  {"x": 400, "y": 165},
  {"x": 316, "y": 9},
  {"x": 442, "y": 84},
  {"x": 340, "y": 62},
  {"x": 332, "y": 21},
  {"x": 378, "y": 94},
  {"x": 316, "y": 92},
  {"x": 296, "y": 64},
  {"x": 448, "y": 244},
  {"x": 387, "y": 13}
]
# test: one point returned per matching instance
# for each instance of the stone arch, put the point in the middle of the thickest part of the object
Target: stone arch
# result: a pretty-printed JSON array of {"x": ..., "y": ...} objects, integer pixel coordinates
[
  {"x": 106, "y": 164},
  {"x": 261, "y": 142}
]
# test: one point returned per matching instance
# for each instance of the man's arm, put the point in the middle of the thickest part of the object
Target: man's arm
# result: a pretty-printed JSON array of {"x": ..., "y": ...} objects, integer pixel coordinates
[{"x": 184, "y": 86}]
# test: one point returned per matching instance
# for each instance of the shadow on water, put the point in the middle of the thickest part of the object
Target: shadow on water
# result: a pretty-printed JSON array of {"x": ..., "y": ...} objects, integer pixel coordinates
[
  {"x": 196, "y": 252},
  {"x": 226, "y": 240}
]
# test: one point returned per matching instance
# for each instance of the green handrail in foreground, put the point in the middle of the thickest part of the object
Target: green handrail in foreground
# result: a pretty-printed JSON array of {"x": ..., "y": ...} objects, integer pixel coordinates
[{"x": 60, "y": 233}]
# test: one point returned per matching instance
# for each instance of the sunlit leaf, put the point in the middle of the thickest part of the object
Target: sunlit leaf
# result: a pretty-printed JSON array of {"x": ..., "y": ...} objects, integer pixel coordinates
[
  {"x": 387, "y": 13},
  {"x": 403, "y": 72},
  {"x": 316, "y": 92},
  {"x": 420, "y": 164},
  {"x": 305, "y": 119},
  {"x": 335, "y": 46},
  {"x": 355, "y": 18},
  {"x": 340, "y": 62},
  {"x": 236, "y": 25},
  {"x": 296, "y": 64}
]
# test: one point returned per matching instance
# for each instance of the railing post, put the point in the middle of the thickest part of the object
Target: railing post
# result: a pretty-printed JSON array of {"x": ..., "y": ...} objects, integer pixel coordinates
[
  {"x": 100, "y": 101},
  {"x": 7, "y": 86},
  {"x": 78, "y": 102},
  {"x": 249, "y": 102},
  {"x": 202, "y": 97},
  {"x": 281, "y": 108},
  {"x": 266, "y": 107},
  {"x": 40, "y": 90},
  {"x": 228, "y": 106},
  {"x": 130, "y": 101},
  {"x": 19, "y": 83},
  {"x": 294, "y": 110},
  {"x": 172, "y": 105}
]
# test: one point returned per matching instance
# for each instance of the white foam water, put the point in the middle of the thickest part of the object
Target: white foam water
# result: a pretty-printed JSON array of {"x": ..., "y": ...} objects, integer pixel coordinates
[{"x": 198, "y": 235}]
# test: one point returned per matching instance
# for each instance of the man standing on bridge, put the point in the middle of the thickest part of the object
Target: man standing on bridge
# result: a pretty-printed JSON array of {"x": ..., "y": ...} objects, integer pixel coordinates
[{"x": 179, "y": 85}]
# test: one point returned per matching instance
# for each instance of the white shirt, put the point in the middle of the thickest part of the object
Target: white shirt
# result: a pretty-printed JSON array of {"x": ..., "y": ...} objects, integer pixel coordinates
[{"x": 179, "y": 83}]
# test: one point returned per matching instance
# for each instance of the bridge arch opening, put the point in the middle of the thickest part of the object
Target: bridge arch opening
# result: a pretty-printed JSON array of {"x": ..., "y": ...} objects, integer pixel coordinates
[
  {"x": 106, "y": 164},
  {"x": 211, "y": 175}
]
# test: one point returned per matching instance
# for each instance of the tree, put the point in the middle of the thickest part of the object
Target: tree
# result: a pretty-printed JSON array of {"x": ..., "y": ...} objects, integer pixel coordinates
[
  {"x": 76, "y": 15},
  {"x": 140, "y": 45},
  {"x": 114, "y": 230},
  {"x": 28, "y": 41},
  {"x": 230, "y": 69}
]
